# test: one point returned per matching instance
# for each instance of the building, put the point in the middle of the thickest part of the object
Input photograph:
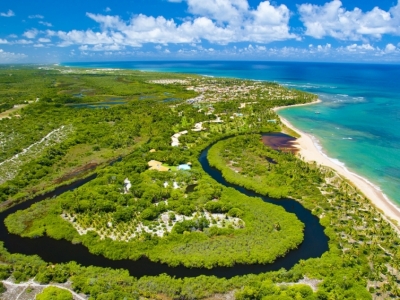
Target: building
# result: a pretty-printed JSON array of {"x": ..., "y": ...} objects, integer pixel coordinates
[{"x": 184, "y": 167}]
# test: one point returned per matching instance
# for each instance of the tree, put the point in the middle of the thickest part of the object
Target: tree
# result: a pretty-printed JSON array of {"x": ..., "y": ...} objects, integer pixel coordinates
[{"x": 54, "y": 293}]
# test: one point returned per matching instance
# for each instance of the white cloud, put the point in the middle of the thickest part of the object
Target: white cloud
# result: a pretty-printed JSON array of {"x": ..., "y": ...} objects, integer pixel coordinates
[
  {"x": 351, "y": 53},
  {"x": 44, "y": 40},
  {"x": 266, "y": 14},
  {"x": 251, "y": 49},
  {"x": 261, "y": 48},
  {"x": 8, "y": 57},
  {"x": 217, "y": 21},
  {"x": 38, "y": 45},
  {"x": 175, "y": 1},
  {"x": 390, "y": 48},
  {"x": 332, "y": 19},
  {"x": 46, "y": 23},
  {"x": 360, "y": 48},
  {"x": 230, "y": 11},
  {"x": 268, "y": 23},
  {"x": 264, "y": 24},
  {"x": 88, "y": 37},
  {"x": 317, "y": 52},
  {"x": 35, "y": 17},
  {"x": 107, "y": 9},
  {"x": 7, "y": 14},
  {"x": 13, "y": 36},
  {"x": 325, "y": 48},
  {"x": 101, "y": 47},
  {"x": 31, "y": 34},
  {"x": 23, "y": 42}
]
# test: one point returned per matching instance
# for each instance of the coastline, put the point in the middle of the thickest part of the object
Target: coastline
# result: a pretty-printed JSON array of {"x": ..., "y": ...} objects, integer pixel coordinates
[
  {"x": 275, "y": 109},
  {"x": 309, "y": 152}
]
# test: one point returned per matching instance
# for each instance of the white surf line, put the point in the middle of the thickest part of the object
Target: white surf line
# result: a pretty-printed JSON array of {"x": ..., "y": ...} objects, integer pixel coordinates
[
  {"x": 34, "y": 284},
  {"x": 34, "y": 144},
  {"x": 362, "y": 185},
  {"x": 337, "y": 162}
]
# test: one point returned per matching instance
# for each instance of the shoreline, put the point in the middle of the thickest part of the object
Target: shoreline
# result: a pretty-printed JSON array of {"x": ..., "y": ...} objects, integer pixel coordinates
[
  {"x": 275, "y": 109},
  {"x": 309, "y": 151}
]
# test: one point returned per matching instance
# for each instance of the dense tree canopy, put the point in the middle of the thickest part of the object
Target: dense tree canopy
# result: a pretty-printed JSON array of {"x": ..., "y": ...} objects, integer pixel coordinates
[
  {"x": 76, "y": 122},
  {"x": 54, "y": 293}
]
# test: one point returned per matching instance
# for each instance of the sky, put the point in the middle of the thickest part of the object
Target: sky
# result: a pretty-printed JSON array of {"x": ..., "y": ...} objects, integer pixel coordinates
[{"x": 49, "y": 31}]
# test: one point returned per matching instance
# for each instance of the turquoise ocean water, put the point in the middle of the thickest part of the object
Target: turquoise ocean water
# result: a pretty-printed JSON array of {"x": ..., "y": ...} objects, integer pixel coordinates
[{"x": 357, "y": 124}]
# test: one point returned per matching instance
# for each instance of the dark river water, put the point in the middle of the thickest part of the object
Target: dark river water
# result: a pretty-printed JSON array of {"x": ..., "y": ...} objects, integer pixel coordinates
[{"x": 60, "y": 251}]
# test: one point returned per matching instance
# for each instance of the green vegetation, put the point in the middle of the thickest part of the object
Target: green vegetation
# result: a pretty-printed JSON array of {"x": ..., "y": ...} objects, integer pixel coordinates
[
  {"x": 54, "y": 293},
  {"x": 52, "y": 142},
  {"x": 194, "y": 230},
  {"x": 156, "y": 218},
  {"x": 84, "y": 119},
  {"x": 79, "y": 138},
  {"x": 247, "y": 162},
  {"x": 363, "y": 246}
]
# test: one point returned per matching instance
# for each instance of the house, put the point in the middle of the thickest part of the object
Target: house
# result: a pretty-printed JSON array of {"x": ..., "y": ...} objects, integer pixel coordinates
[
  {"x": 156, "y": 165},
  {"x": 127, "y": 185},
  {"x": 184, "y": 167}
]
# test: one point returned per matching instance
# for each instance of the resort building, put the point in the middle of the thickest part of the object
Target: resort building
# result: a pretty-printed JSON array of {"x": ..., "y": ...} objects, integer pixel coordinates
[{"x": 185, "y": 167}]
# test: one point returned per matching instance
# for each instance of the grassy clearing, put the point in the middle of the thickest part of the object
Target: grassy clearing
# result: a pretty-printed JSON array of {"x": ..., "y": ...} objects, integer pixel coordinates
[{"x": 12, "y": 111}]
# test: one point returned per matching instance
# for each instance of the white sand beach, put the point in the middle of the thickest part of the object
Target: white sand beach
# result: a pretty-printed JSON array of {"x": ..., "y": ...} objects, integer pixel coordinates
[{"x": 309, "y": 152}]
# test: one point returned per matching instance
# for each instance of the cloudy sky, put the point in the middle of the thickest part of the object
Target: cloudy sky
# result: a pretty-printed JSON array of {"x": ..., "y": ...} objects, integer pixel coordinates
[{"x": 303, "y": 30}]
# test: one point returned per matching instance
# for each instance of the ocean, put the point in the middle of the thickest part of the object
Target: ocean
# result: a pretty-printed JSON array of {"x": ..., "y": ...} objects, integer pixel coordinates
[{"x": 357, "y": 124}]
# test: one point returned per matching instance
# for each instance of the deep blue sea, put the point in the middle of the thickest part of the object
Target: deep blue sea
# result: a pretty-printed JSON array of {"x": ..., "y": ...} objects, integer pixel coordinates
[{"x": 358, "y": 121}]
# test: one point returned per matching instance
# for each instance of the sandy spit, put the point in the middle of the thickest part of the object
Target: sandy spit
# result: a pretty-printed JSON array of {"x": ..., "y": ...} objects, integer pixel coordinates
[{"x": 310, "y": 152}]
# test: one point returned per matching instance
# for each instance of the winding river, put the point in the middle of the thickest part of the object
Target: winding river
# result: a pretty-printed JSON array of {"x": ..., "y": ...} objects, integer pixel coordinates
[{"x": 61, "y": 251}]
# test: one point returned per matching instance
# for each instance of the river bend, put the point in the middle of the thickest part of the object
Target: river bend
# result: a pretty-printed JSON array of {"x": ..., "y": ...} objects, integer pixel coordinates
[{"x": 61, "y": 251}]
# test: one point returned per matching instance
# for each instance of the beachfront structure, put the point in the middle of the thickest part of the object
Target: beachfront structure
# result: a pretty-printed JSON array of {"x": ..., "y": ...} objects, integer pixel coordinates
[
  {"x": 156, "y": 165},
  {"x": 184, "y": 167}
]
